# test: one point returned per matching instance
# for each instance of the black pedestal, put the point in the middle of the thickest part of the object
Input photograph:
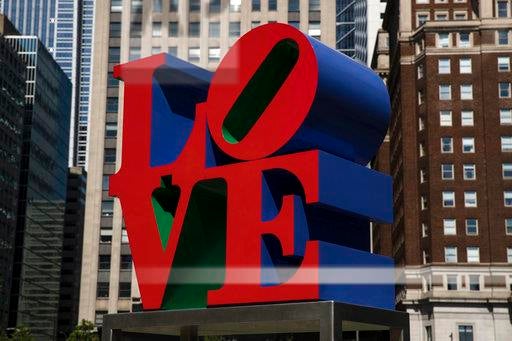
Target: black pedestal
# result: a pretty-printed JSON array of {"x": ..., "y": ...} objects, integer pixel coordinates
[{"x": 327, "y": 319}]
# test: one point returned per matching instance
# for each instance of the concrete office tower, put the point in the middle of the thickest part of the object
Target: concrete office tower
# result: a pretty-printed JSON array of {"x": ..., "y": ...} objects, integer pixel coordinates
[
  {"x": 71, "y": 252},
  {"x": 12, "y": 107},
  {"x": 42, "y": 190},
  {"x": 368, "y": 16},
  {"x": 65, "y": 28},
  {"x": 198, "y": 31},
  {"x": 450, "y": 155}
]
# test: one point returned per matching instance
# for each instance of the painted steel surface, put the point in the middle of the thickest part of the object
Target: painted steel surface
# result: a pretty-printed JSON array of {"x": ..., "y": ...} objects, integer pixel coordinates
[{"x": 253, "y": 175}]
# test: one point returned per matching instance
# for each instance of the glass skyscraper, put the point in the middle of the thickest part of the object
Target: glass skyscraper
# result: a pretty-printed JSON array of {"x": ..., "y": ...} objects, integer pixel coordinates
[
  {"x": 34, "y": 296},
  {"x": 65, "y": 28}
]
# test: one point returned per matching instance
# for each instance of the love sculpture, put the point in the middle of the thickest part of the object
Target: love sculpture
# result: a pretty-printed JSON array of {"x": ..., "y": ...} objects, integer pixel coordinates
[{"x": 257, "y": 170}]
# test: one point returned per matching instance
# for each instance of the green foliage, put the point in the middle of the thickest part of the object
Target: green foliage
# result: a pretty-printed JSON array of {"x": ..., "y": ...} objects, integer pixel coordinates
[
  {"x": 21, "y": 333},
  {"x": 83, "y": 332}
]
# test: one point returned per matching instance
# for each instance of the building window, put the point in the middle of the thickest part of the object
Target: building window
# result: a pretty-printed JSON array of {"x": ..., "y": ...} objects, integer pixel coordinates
[
  {"x": 272, "y": 5},
  {"x": 314, "y": 5},
  {"x": 504, "y": 89},
  {"x": 111, "y": 82},
  {"x": 447, "y": 172},
  {"x": 125, "y": 289},
  {"x": 505, "y": 116},
  {"x": 295, "y": 24},
  {"x": 107, "y": 208},
  {"x": 502, "y": 8},
  {"x": 420, "y": 70},
  {"x": 110, "y": 155},
  {"x": 105, "y": 235},
  {"x": 421, "y": 124},
  {"x": 98, "y": 317},
  {"x": 474, "y": 282},
  {"x": 105, "y": 182},
  {"x": 134, "y": 53},
  {"x": 155, "y": 50},
  {"x": 503, "y": 37},
  {"x": 124, "y": 236},
  {"x": 422, "y": 18},
  {"x": 104, "y": 262},
  {"x": 214, "y": 6},
  {"x": 464, "y": 39},
  {"x": 126, "y": 262},
  {"x": 136, "y": 6},
  {"x": 443, "y": 40},
  {"x": 444, "y": 66},
  {"x": 507, "y": 197},
  {"x": 465, "y": 65},
  {"x": 194, "y": 29},
  {"x": 509, "y": 257},
  {"x": 213, "y": 54},
  {"x": 445, "y": 92},
  {"x": 469, "y": 171},
  {"x": 255, "y": 23},
  {"x": 471, "y": 227},
  {"x": 194, "y": 54},
  {"x": 173, "y": 51},
  {"x": 112, "y": 104},
  {"x": 293, "y": 5},
  {"x": 506, "y": 143},
  {"x": 460, "y": 15},
  {"x": 468, "y": 144},
  {"x": 256, "y": 5},
  {"x": 466, "y": 118},
  {"x": 448, "y": 199},
  {"x": 157, "y": 6},
  {"x": 234, "y": 5},
  {"x": 470, "y": 199},
  {"x": 114, "y": 55},
  {"x": 449, "y": 227},
  {"x": 507, "y": 171},
  {"x": 194, "y": 5},
  {"x": 503, "y": 64},
  {"x": 422, "y": 150},
  {"x": 450, "y": 254},
  {"x": 110, "y": 130},
  {"x": 424, "y": 203},
  {"x": 102, "y": 290},
  {"x": 446, "y": 145},
  {"x": 445, "y": 118},
  {"x": 115, "y": 29},
  {"x": 214, "y": 29},
  {"x": 173, "y": 5},
  {"x": 173, "y": 29},
  {"x": 473, "y": 253},
  {"x": 314, "y": 29},
  {"x": 116, "y": 6},
  {"x": 421, "y": 97},
  {"x": 234, "y": 29},
  {"x": 466, "y": 91},
  {"x": 424, "y": 230},
  {"x": 441, "y": 16},
  {"x": 451, "y": 282},
  {"x": 423, "y": 176}
]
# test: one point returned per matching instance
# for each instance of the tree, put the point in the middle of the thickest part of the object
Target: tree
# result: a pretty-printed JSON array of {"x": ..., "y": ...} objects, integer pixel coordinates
[
  {"x": 22, "y": 333},
  {"x": 83, "y": 332}
]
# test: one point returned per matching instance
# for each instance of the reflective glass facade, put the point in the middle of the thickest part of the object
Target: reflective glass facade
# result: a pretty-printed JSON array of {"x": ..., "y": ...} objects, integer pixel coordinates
[{"x": 42, "y": 191}]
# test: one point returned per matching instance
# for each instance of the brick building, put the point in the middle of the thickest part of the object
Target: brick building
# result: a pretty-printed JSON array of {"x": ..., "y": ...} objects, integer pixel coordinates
[{"x": 450, "y": 155}]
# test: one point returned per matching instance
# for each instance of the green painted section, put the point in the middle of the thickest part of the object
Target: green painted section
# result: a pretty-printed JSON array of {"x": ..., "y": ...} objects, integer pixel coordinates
[
  {"x": 202, "y": 244},
  {"x": 260, "y": 90},
  {"x": 165, "y": 200}
]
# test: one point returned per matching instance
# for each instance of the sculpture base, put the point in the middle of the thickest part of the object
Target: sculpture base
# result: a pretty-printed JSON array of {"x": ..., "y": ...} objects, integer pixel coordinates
[{"x": 323, "y": 321}]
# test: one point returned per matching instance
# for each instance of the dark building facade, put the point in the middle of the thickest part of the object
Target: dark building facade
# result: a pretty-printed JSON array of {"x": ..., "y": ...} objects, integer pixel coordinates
[
  {"x": 42, "y": 191},
  {"x": 72, "y": 252},
  {"x": 12, "y": 106},
  {"x": 450, "y": 155}
]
